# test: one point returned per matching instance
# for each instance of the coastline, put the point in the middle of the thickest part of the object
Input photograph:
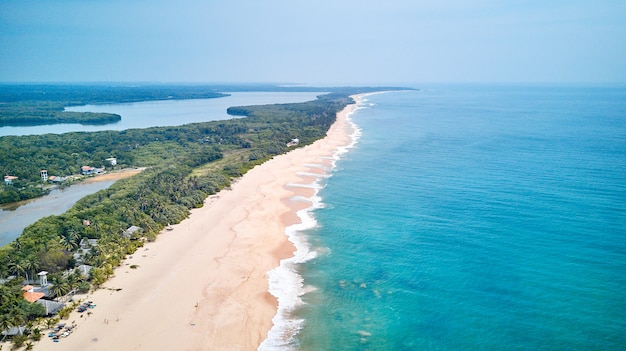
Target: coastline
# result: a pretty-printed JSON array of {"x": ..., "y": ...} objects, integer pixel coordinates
[
  {"x": 285, "y": 283},
  {"x": 204, "y": 284}
]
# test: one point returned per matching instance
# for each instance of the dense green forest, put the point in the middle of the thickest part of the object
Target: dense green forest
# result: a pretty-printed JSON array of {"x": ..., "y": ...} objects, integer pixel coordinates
[
  {"x": 29, "y": 105},
  {"x": 77, "y": 94},
  {"x": 33, "y": 113}
]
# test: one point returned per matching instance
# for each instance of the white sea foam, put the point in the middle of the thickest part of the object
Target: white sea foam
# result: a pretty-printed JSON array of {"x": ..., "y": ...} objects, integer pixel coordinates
[
  {"x": 284, "y": 281},
  {"x": 308, "y": 186},
  {"x": 288, "y": 286},
  {"x": 299, "y": 199},
  {"x": 314, "y": 175},
  {"x": 317, "y": 165}
]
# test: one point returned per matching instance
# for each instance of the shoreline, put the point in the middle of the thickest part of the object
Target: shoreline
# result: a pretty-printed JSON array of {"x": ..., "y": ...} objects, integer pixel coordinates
[
  {"x": 204, "y": 284},
  {"x": 285, "y": 283}
]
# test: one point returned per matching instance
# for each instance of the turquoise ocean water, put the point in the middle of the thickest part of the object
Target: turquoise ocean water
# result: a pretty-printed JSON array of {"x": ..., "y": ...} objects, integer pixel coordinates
[{"x": 469, "y": 218}]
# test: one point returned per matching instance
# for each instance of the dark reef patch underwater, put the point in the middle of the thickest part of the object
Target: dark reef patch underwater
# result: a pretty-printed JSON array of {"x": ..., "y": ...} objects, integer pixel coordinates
[{"x": 474, "y": 218}]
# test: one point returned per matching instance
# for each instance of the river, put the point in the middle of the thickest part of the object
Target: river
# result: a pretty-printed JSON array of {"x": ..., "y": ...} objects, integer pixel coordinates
[
  {"x": 14, "y": 220},
  {"x": 134, "y": 115},
  {"x": 165, "y": 112}
]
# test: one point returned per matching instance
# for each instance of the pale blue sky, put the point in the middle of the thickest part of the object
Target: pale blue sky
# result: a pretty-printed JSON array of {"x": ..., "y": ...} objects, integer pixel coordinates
[{"x": 330, "y": 42}]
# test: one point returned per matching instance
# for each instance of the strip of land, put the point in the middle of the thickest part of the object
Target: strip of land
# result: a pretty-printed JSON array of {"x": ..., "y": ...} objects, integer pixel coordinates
[
  {"x": 203, "y": 284},
  {"x": 117, "y": 175}
]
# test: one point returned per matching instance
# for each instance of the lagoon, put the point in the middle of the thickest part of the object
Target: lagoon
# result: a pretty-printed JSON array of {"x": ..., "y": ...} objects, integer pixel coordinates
[
  {"x": 165, "y": 112},
  {"x": 134, "y": 115},
  {"x": 14, "y": 220}
]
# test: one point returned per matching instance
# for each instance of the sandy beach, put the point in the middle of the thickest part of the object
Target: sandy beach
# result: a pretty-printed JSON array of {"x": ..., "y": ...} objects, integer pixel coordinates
[{"x": 203, "y": 285}]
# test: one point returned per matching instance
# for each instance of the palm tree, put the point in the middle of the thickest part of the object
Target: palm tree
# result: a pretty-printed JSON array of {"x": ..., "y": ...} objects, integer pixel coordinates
[
  {"x": 17, "y": 244},
  {"x": 74, "y": 280},
  {"x": 60, "y": 288},
  {"x": 69, "y": 241},
  {"x": 30, "y": 265},
  {"x": 50, "y": 322},
  {"x": 98, "y": 276},
  {"x": 5, "y": 324},
  {"x": 18, "y": 268},
  {"x": 17, "y": 318}
]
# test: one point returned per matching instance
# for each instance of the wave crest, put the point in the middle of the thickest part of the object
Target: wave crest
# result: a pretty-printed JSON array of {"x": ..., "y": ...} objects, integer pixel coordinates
[{"x": 285, "y": 283}]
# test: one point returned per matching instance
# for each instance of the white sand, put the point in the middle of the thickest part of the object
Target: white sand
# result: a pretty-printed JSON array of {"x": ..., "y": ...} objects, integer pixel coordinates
[{"x": 203, "y": 285}]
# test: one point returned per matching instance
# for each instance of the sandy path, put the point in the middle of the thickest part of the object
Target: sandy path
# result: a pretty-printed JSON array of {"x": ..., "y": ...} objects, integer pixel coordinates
[{"x": 116, "y": 175}]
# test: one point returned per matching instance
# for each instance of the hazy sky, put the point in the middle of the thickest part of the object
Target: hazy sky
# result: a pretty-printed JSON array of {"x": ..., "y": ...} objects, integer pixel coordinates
[{"x": 313, "y": 42}]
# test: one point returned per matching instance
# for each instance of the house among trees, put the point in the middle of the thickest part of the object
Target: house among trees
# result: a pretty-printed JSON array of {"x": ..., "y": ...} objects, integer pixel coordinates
[
  {"x": 44, "y": 175},
  {"x": 8, "y": 179},
  {"x": 293, "y": 142},
  {"x": 112, "y": 161},
  {"x": 128, "y": 233},
  {"x": 37, "y": 295},
  {"x": 87, "y": 244},
  {"x": 84, "y": 270},
  {"x": 84, "y": 248},
  {"x": 88, "y": 170},
  {"x": 13, "y": 331},
  {"x": 57, "y": 179},
  {"x": 52, "y": 307},
  {"x": 30, "y": 294}
]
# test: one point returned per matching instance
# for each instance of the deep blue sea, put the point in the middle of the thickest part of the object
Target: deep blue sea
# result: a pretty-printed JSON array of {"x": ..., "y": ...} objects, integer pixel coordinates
[{"x": 471, "y": 217}]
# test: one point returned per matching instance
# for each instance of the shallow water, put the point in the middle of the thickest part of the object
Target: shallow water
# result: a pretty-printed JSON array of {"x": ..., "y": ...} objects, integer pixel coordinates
[{"x": 473, "y": 218}]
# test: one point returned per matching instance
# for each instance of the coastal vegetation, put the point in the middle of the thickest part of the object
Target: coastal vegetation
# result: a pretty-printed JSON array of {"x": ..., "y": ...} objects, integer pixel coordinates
[
  {"x": 30, "y": 105},
  {"x": 34, "y": 113},
  {"x": 184, "y": 165}
]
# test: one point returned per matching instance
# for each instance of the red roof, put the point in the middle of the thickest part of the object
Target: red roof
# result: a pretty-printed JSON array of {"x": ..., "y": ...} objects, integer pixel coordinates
[{"x": 33, "y": 296}]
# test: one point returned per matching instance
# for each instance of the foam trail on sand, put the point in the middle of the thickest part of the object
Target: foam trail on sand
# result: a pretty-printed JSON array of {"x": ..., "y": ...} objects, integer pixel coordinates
[
  {"x": 284, "y": 281},
  {"x": 287, "y": 285}
]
